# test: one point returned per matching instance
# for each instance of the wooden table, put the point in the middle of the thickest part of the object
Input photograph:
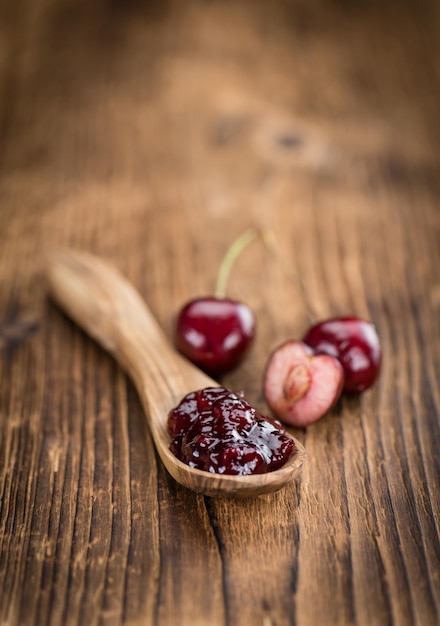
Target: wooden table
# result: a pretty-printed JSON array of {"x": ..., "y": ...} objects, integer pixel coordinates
[{"x": 153, "y": 134}]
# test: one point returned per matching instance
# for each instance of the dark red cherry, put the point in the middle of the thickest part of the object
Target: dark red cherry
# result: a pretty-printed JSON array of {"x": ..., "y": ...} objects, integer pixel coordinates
[
  {"x": 355, "y": 343},
  {"x": 215, "y": 333}
]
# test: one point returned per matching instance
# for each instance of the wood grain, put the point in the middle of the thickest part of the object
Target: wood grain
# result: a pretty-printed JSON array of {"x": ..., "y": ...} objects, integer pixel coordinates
[{"x": 153, "y": 133}]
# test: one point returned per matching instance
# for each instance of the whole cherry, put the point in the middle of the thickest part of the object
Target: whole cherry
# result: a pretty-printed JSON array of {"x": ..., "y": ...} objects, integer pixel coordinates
[
  {"x": 215, "y": 332},
  {"x": 355, "y": 343}
]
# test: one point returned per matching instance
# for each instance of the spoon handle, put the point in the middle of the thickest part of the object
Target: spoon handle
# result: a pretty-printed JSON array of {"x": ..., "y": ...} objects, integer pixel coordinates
[
  {"x": 98, "y": 298},
  {"x": 108, "y": 308}
]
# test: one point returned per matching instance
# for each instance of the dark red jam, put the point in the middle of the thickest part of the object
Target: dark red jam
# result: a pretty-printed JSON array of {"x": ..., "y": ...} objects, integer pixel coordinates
[{"x": 217, "y": 431}]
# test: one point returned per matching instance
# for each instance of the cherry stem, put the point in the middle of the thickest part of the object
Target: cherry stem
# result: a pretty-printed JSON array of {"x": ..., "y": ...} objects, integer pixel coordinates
[
  {"x": 271, "y": 244},
  {"x": 230, "y": 257}
]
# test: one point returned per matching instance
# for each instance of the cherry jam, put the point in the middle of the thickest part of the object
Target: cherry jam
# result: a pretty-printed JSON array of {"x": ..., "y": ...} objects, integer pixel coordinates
[{"x": 217, "y": 431}]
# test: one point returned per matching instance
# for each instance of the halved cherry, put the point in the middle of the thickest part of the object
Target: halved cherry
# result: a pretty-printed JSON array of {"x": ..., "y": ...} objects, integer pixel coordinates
[{"x": 300, "y": 386}]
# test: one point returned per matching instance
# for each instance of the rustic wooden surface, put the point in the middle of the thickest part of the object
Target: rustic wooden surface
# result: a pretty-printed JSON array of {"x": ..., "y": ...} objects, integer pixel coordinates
[{"x": 153, "y": 133}]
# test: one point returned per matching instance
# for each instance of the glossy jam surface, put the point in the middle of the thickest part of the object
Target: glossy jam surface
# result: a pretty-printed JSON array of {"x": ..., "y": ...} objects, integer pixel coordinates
[
  {"x": 214, "y": 333},
  {"x": 354, "y": 343},
  {"x": 217, "y": 431}
]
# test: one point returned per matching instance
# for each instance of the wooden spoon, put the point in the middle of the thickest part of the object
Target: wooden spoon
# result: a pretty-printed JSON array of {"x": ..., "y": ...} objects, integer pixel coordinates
[{"x": 107, "y": 307}]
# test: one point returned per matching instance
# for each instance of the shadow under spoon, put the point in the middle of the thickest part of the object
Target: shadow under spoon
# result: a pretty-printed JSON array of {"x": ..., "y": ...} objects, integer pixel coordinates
[{"x": 100, "y": 300}]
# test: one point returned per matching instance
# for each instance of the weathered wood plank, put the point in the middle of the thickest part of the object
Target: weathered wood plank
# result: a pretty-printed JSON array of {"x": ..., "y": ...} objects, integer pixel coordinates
[{"x": 153, "y": 134}]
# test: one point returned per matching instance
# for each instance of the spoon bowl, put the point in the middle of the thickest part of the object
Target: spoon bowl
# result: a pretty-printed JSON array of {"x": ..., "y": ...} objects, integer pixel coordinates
[{"x": 100, "y": 300}]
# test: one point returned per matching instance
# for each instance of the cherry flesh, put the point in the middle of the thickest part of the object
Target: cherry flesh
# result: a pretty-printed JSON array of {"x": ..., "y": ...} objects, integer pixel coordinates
[
  {"x": 218, "y": 431},
  {"x": 355, "y": 343},
  {"x": 299, "y": 386},
  {"x": 215, "y": 333}
]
